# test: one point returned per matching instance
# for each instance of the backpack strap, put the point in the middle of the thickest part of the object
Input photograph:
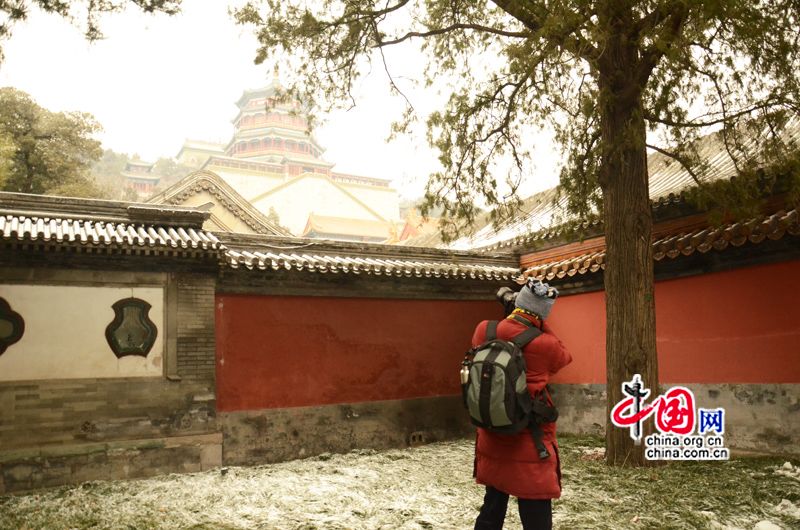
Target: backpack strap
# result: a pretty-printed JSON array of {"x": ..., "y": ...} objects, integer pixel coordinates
[
  {"x": 536, "y": 434},
  {"x": 542, "y": 412},
  {"x": 524, "y": 321},
  {"x": 526, "y": 336},
  {"x": 491, "y": 330}
]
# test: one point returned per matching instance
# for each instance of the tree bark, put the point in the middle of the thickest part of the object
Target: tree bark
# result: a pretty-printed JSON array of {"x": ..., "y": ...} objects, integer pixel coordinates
[{"x": 627, "y": 216}]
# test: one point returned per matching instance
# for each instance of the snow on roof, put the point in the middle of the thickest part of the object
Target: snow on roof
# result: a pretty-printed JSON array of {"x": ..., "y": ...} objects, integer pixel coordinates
[
  {"x": 667, "y": 178},
  {"x": 94, "y": 223},
  {"x": 321, "y": 256},
  {"x": 682, "y": 243}
]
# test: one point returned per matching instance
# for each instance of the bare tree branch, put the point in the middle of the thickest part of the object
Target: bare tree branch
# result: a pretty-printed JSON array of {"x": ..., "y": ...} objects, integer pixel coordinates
[
  {"x": 357, "y": 16},
  {"x": 651, "y": 20},
  {"x": 389, "y": 74},
  {"x": 570, "y": 38},
  {"x": 680, "y": 159},
  {"x": 698, "y": 122},
  {"x": 653, "y": 53},
  {"x": 455, "y": 27}
]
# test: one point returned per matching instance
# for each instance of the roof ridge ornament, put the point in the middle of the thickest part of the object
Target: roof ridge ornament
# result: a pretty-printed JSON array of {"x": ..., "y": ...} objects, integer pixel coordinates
[{"x": 276, "y": 81}]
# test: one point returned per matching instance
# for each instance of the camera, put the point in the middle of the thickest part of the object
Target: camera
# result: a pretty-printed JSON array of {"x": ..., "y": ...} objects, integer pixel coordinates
[{"x": 506, "y": 297}]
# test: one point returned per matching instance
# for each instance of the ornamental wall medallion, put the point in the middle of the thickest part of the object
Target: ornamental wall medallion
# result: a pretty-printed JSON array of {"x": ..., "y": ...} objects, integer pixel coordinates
[
  {"x": 11, "y": 326},
  {"x": 131, "y": 332}
]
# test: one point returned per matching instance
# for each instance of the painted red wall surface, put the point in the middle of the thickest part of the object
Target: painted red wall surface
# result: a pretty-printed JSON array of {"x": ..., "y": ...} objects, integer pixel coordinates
[
  {"x": 296, "y": 351},
  {"x": 740, "y": 326}
]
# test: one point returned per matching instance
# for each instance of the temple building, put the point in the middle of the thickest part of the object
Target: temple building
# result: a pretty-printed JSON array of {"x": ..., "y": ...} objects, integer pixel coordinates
[
  {"x": 139, "y": 177},
  {"x": 274, "y": 165},
  {"x": 195, "y": 153}
]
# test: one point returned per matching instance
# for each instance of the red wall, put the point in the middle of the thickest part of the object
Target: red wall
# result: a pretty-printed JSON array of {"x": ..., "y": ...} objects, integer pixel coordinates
[
  {"x": 740, "y": 326},
  {"x": 296, "y": 351},
  {"x": 580, "y": 323}
]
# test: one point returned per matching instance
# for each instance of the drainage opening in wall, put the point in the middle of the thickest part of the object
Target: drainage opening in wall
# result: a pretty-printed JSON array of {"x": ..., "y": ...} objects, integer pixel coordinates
[{"x": 417, "y": 438}]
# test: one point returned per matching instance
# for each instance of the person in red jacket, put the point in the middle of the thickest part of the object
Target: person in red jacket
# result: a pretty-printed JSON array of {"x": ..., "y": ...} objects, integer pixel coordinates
[{"x": 509, "y": 464}]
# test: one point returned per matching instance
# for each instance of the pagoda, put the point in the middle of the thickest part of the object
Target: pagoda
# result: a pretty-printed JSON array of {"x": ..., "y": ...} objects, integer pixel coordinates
[
  {"x": 269, "y": 128},
  {"x": 274, "y": 163}
]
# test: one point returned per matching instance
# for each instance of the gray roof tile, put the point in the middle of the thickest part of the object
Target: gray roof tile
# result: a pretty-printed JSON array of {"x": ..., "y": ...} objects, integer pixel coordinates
[{"x": 88, "y": 232}]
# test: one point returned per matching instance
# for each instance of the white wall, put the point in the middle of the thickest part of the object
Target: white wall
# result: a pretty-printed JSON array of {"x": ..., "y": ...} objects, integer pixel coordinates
[
  {"x": 385, "y": 201},
  {"x": 248, "y": 184},
  {"x": 65, "y": 333},
  {"x": 307, "y": 194},
  {"x": 220, "y": 213}
]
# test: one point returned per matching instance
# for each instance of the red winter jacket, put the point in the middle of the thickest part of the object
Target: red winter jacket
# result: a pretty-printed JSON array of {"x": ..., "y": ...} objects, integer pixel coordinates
[{"x": 510, "y": 462}]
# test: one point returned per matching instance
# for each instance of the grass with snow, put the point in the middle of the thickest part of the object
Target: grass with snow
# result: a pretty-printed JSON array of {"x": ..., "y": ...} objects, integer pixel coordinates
[{"x": 420, "y": 488}]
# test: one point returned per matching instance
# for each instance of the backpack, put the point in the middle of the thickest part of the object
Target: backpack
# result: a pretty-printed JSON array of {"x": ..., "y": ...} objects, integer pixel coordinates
[{"x": 494, "y": 389}]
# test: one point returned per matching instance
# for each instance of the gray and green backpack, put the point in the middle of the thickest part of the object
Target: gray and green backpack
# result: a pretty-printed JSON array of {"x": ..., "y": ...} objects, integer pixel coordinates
[{"x": 494, "y": 389}]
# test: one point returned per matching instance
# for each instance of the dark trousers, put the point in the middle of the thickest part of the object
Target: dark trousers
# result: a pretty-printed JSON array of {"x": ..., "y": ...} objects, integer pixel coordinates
[{"x": 535, "y": 514}]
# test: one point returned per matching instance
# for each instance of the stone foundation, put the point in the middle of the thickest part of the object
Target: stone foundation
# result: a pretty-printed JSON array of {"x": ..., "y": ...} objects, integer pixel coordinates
[
  {"x": 73, "y": 412},
  {"x": 44, "y": 467},
  {"x": 581, "y": 408},
  {"x": 273, "y": 435},
  {"x": 763, "y": 418},
  {"x": 760, "y": 418},
  {"x": 69, "y": 431}
]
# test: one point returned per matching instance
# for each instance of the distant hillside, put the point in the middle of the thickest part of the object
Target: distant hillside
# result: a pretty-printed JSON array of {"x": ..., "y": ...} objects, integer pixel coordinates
[{"x": 107, "y": 172}]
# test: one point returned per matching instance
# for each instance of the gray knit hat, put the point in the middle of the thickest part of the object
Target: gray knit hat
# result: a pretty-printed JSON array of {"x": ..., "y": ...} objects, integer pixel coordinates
[{"x": 537, "y": 298}]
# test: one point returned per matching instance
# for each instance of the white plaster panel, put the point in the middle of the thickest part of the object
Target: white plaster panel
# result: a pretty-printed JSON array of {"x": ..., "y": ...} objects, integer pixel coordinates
[
  {"x": 308, "y": 194},
  {"x": 248, "y": 184},
  {"x": 385, "y": 201},
  {"x": 223, "y": 219},
  {"x": 65, "y": 333}
]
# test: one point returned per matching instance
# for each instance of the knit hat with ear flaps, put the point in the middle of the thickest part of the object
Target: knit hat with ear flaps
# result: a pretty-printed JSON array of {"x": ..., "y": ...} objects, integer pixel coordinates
[{"x": 537, "y": 297}]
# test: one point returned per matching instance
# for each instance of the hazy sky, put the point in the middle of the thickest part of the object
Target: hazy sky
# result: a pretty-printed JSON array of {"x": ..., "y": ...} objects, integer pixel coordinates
[{"x": 157, "y": 80}]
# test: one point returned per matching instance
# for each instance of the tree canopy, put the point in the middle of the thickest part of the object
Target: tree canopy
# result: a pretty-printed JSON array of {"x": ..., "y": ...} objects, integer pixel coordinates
[
  {"x": 15, "y": 11},
  {"x": 46, "y": 152},
  {"x": 613, "y": 78},
  {"x": 692, "y": 65}
]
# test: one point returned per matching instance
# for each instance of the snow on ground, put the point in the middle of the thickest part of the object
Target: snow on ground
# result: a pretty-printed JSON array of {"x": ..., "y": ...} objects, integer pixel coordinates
[
  {"x": 789, "y": 508},
  {"x": 788, "y": 470},
  {"x": 427, "y": 487}
]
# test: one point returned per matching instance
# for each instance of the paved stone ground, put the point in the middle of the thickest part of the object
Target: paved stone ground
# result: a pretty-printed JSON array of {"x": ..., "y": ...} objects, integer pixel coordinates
[{"x": 428, "y": 487}]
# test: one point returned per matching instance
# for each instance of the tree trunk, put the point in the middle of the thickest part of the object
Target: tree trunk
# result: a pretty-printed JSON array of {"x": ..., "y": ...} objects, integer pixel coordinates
[
  {"x": 628, "y": 277},
  {"x": 29, "y": 174}
]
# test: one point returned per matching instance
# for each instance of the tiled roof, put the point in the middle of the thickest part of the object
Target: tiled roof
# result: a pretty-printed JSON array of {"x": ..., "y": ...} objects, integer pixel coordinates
[
  {"x": 357, "y": 265},
  {"x": 252, "y": 93},
  {"x": 362, "y": 258},
  {"x": 141, "y": 176},
  {"x": 347, "y": 178},
  {"x": 543, "y": 218},
  {"x": 204, "y": 181},
  {"x": 87, "y": 232},
  {"x": 87, "y": 223},
  {"x": 538, "y": 212},
  {"x": 203, "y": 144},
  {"x": 340, "y": 226},
  {"x": 683, "y": 243},
  {"x": 140, "y": 163}
]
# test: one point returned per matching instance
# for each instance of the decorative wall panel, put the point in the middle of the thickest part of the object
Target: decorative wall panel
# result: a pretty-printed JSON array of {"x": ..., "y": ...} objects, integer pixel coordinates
[
  {"x": 65, "y": 333},
  {"x": 12, "y": 326},
  {"x": 131, "y": 332}
]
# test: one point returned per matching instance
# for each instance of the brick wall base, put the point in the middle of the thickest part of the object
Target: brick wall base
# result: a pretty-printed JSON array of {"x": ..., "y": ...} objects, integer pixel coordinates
[
  {"x": 759, "y": 418},
  {"x": 762, "y": 418},
  {"x": 273, "y": 435},
  {"x": 29, "y": 469}
]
